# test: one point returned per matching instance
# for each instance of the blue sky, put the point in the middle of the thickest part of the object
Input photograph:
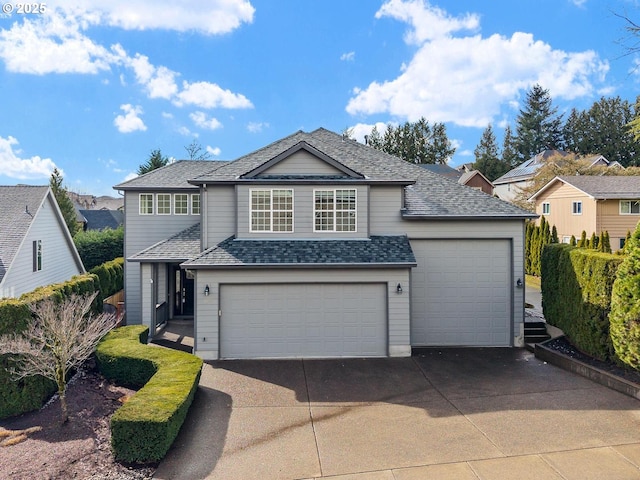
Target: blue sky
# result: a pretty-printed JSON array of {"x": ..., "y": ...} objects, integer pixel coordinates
[{"x": 91, "y": 87}]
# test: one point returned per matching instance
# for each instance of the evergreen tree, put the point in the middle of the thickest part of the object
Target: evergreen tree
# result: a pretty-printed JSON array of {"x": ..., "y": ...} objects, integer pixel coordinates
[
  {"x": 155, "y": 161},
  {"x": 538, "y": 125},
  {"x": 603, "y": 129},
  {"x": 509, "y": 152},
  {"x": 487, "y": 159},
  {"x": 593, "y": 243},
  {"x": 600, "y": 246},
  {"x": 554, "y": 235},
  {"x": 624, "y": 318},
  {"x": 416, "y": 142},
  {"x": 64, "y": 202},
  {"x": 572, "y": 242},
  {"x": 607, "y": 243},
  {"x": 583, "y": 240}
]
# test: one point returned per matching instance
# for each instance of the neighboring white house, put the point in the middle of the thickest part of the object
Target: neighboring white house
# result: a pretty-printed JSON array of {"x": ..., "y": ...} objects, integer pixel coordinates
[
  {"x": 318, "y": 246},
  {"x": 36, "y": 248}
]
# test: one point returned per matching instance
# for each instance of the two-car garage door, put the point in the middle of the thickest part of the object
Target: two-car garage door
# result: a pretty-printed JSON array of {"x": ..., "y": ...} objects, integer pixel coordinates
[
  {"x": 461, "y": 293},
  {"x": 303, "y": 320}
]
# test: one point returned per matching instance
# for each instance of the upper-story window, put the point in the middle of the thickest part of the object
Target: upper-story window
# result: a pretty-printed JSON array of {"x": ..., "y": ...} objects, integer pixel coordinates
[
  {"x": 181, "y": 204},
  {"x": 629, "y": 207},
  {"x": 335, "y": 210},
  {"x": 546, "y": 208},
  {"x": 195, "y": 204},
  {"x": 271, "y": 210},
  {"x": 163, "y": 201},
  {"x": 577, "y": 208},
  {"x": 146, "y": 204}
]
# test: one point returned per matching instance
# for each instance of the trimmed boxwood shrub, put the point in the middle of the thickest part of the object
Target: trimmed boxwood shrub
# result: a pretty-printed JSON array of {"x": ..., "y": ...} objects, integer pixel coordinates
[
  {"x": 576, "y": 295},
  {"x": 144, "y": 428},
  {"x": 625, "y": 305},
  {"x": 31, "y": 393},
  {"x": 111, "y": 276}
]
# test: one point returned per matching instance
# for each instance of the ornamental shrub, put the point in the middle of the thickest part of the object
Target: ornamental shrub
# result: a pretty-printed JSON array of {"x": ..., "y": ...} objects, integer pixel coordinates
[
  {"x": 625, "y": 305},
  {"x": 97, "y": 247}
]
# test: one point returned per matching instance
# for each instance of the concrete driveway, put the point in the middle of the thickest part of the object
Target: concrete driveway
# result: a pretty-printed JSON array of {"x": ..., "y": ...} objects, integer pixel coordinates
[{"x": 445, "y": 414}]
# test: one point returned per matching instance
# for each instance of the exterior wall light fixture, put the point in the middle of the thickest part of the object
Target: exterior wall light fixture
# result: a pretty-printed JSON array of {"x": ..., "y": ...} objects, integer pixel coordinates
[
  {"x": 399, "y": 288},
  {"x": 206, "y": 291}
]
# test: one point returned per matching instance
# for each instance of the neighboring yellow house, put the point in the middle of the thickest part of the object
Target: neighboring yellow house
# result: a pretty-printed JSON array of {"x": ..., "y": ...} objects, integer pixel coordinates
[{"x": 590, "y": 203}]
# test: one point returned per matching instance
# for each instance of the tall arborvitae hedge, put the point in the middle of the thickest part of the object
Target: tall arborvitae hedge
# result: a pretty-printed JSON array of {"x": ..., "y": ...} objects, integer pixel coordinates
[
  {"x": 536, "y": 237},
  {"x": 576, "y": 287},
  {"x": 625, "y": 305}
]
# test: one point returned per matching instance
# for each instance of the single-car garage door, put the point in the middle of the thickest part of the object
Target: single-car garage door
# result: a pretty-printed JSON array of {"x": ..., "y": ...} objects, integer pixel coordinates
[
  {"x": 303, "y": 320},
  {"x": 460, "y": 293}
]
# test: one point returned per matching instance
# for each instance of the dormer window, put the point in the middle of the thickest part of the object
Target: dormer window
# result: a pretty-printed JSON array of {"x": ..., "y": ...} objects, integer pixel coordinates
[
  {"x": 272, "y": 210},
  {"x": 335, "y": 210}
]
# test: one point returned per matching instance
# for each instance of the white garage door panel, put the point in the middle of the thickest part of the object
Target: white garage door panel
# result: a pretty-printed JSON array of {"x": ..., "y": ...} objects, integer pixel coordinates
[
  {"x": 461, "y": 293},
  {"x": 303, "y": 320}
]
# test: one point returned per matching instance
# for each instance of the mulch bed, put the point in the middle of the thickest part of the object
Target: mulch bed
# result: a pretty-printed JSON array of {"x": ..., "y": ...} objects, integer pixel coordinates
[{"x": 79, "y": 448}]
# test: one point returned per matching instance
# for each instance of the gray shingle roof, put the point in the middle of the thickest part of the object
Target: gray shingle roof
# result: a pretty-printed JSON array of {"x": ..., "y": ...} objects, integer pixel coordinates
[
  {"x": 18, "y": 206},
  {"x": 378, "y": 251},
  {"x": 607, "y": 186},
  {"x": 444, "y": 170},
  {"x": 182, "y": 246},
  {"x": 172, "y": 176},
  {"x": 431, "y": 195},
  {"x": 101, "y": 219}
]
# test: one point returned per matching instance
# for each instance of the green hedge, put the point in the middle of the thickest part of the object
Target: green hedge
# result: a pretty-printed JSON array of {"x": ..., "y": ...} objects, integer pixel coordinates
[
  {"x": 17, "y": 397},
  {"x": 144, "y": 428},
  {"x": 625, "y": 305},
  {"x": 111, "y": 276},
  {"x": 97, "y": 247},
  {"x": 576, "y": 295}
]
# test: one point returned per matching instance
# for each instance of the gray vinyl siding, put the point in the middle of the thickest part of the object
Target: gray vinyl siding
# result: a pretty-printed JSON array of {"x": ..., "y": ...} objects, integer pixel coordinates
[
  {"x": 142, "y": 231},
  {"x": 219, "y": 203},
  {"x": 385, "y": 210},
  {"x": 302, "y": 163},
  {"x": 303, "y": 218},
  {"x": 59, "y": 261},
  {"x": 207, "y": 322}
]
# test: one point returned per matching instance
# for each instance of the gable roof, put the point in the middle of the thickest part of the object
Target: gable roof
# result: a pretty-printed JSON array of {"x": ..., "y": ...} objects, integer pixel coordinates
[
  {"x": 426, "y": 193},
  {"x": 376, "y": 251},
  {"x": 173, "y": 176},
  {"x": 19, "y": 206},
  {"x": 177, "y": 248},
  {"x": 101, "y": 219},
  {"x": 444, "y": 170},
  {"x": 605, "y": 187}
]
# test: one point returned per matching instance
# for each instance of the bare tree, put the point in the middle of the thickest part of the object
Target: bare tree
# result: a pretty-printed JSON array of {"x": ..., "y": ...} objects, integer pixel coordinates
[
  {"x": 196, "y": 152},
  {"x": 59, "y": 338}
]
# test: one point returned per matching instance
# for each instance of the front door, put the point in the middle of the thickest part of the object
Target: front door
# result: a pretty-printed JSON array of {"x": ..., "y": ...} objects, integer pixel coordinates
[{"x": 184, "y": 282}]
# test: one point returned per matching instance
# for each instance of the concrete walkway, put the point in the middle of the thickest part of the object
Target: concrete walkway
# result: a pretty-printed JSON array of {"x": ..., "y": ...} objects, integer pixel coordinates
[{"x": 446, "y": 414}]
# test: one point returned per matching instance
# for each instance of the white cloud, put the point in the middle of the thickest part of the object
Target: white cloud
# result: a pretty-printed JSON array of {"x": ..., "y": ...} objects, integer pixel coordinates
[
  {"x": 185, "y": 132},
  {"x": 130, "y": 121},
  {"x": 467, "y": 80},
  {"x": 13, "y": 166},
  {"x": 209, "y": 95},
  {"x": 201, "y": 120},
  {"x": 57, "y": 43},
  {"x": 213, "y": 151},
  {"x": 348, "y": 57},
  {"x": 257, "y": 127},
  {"x": 52, "y": 43},
  {"x": 130, "y": 176},
  {"x": 212, "y": 17},
  {"x": 359, "y": 130}
]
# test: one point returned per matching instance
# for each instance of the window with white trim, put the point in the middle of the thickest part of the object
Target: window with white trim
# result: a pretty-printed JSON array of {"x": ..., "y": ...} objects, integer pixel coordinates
[
  {"x": 629, "y": 207},
  {"x": 163, "y": 201},
  {"x": 181, "y": 204},
  {"x": 195, "y": 204},
  {"x": 334, "y": 210},
  {"x": 146, "y": 204},
  {"x": 271, "y": 210},
  {"x": 577, "y": 208},
  {"x": 546, "y": 208}
]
